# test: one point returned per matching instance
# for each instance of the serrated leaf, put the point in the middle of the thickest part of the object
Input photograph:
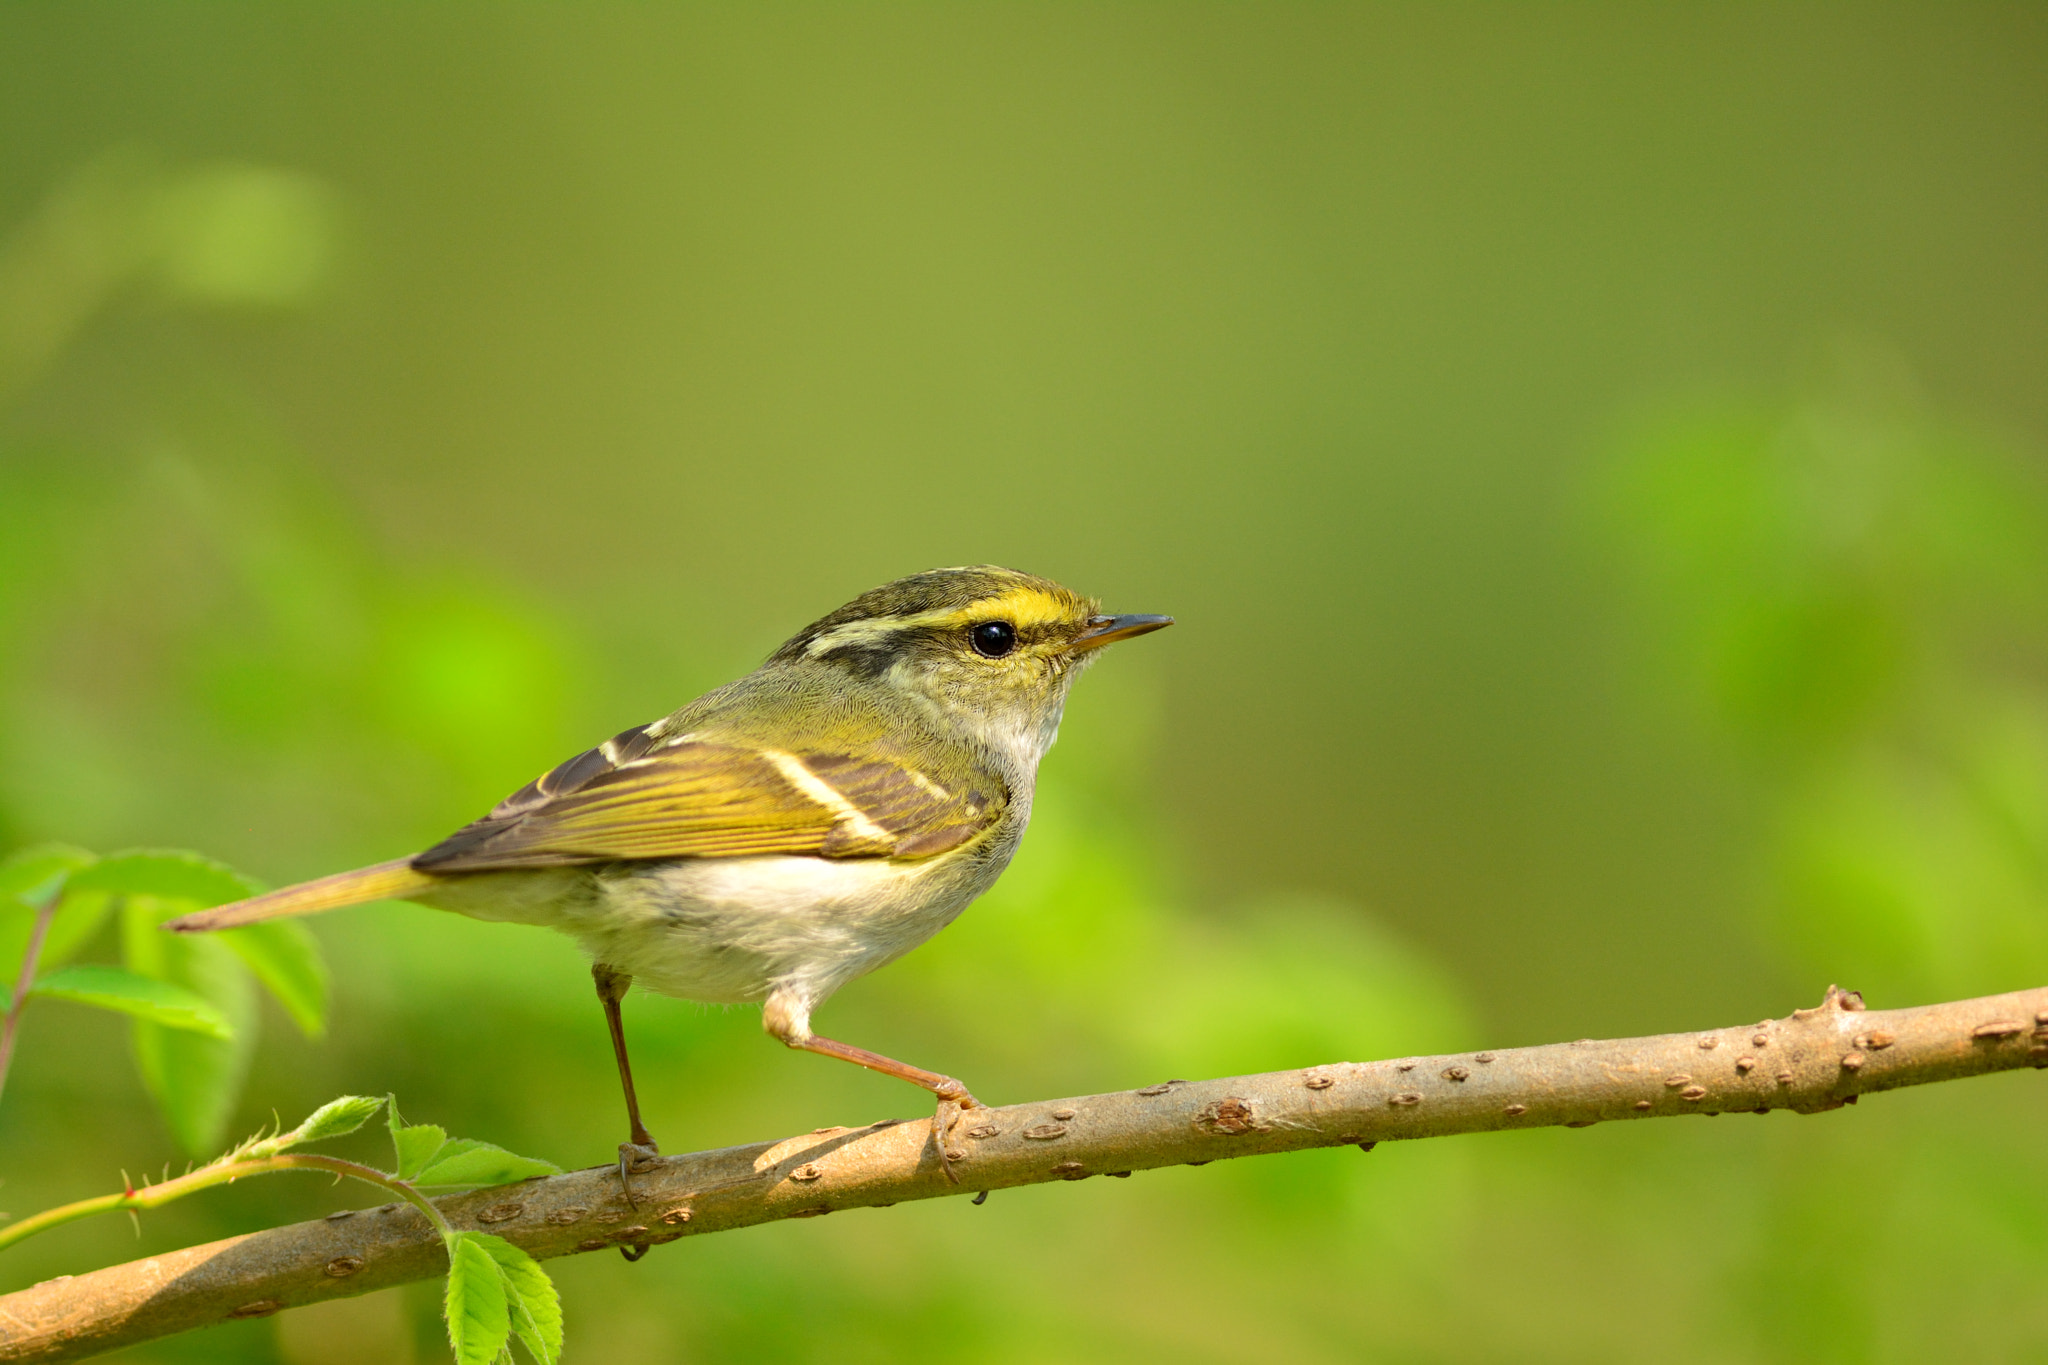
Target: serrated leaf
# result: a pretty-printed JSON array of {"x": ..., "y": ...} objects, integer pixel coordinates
[
  {"x": 169, "y": 873},
  {"x": 479, "y": 1323},
  {"x": 465, "y": 1161},
  {"x": 126, "y": 992},
  {"x": 414, "y": 1143},
  {"x": 336, "y": 1117},
  {"x": 417, "y": 1145},
  {"x": 194, "y": 1079},
  {"x": 331, "y": 1119},
  {"x": 38, "y": 872},
  {"x": 532, "y": 1303},
  {"x": 286, "y": 959}
]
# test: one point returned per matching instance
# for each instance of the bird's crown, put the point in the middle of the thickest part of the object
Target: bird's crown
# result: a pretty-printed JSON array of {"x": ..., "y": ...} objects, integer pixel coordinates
[{"x": 981, "y": 609}]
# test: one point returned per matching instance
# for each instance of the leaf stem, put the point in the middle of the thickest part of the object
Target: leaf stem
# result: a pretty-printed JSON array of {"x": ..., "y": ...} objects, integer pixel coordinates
[
  {"x": 23, "y": 982},
  {"x": 221, "y": 1173}
]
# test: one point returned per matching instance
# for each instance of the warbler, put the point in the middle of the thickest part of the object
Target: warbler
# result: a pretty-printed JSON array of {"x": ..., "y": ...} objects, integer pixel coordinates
[{"x": 787, "y": 832}]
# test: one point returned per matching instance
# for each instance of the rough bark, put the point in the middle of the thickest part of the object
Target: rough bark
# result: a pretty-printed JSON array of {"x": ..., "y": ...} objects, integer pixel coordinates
[{"x": 1817, "y": 1059}]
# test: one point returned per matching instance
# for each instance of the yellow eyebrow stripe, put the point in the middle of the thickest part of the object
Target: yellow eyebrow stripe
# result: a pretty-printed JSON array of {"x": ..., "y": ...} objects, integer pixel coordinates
[
  {"x": 826, "y": 795},
  {"x": 1024, "y": 606}
]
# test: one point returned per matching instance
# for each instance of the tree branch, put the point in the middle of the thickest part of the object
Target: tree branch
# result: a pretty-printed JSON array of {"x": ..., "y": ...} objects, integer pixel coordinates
[{"x": 1817, "y": 1059}]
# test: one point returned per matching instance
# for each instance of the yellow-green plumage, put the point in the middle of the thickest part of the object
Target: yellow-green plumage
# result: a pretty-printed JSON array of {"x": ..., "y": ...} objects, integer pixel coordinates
[
  {"x": 788, "y": 831},
  {"x": 395, "y": 880}
]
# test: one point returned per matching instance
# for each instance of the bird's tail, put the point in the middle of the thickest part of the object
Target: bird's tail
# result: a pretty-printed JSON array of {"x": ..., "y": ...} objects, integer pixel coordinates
[{"x": 394, "y": 880}]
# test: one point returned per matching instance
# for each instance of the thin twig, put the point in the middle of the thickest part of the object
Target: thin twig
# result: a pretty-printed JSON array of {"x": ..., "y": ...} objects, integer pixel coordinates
[
  {"x": 23, "y": 984},
  {"x": 1815, "y": 1060},
  {"x": 224, "y": 1172}
]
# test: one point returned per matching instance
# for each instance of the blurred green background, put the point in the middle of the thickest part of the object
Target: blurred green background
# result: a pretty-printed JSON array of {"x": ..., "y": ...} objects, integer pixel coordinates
[{"x": 1594, "y": 454}]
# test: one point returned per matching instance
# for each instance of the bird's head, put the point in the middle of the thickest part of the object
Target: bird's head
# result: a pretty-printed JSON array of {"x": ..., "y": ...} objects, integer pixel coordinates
[{"x": 991, "y": 649}]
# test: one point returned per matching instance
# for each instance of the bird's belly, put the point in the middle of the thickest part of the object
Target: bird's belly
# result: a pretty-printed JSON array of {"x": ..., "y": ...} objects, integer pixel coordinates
[{"x": 733, "y": 929}]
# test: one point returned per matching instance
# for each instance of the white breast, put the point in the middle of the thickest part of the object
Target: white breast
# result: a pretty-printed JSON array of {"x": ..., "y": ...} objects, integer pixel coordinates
[{"x": 733, "y": 929}]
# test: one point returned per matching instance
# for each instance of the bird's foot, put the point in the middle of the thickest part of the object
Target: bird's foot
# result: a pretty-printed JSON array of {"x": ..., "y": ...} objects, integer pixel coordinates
[
  {"x": 636, "y": 1158},
  {"x": 953, "y": 1102}
]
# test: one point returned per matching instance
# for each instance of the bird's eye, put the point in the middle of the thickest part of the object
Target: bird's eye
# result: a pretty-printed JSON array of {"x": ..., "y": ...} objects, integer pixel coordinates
[{"x": 993, "y": 639}]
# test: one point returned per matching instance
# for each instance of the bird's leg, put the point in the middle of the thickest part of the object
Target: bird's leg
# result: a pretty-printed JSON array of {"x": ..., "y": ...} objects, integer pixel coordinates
[
  {"x": 641, "y": 1152},
  {"x": 946, "y": 1088},
  {"x": 789, "y": 1020}
]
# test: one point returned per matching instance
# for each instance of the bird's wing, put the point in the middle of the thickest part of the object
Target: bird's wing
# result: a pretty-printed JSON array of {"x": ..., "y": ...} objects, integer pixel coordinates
[{"x": 642, "y": 796}]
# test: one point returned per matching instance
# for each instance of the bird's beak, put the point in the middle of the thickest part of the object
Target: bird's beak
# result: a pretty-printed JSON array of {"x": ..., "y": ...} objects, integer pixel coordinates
[{"x": 1107, "y": 630}]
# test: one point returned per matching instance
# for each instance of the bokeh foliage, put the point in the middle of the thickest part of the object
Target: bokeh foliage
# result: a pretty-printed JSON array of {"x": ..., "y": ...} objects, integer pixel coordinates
[
  {"x": 1855, "y": 595},
  {"x": 1578, "y": 635},
  {"x": 191, "y": 1003}
]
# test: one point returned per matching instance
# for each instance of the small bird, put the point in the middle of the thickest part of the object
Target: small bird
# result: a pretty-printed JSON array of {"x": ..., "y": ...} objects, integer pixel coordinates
[{"x": 787, "y": 832}]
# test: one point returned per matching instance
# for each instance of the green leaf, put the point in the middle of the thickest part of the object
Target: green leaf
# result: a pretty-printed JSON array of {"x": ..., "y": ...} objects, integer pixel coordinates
[
  {"x": 417, "y": 1145},
  {"x": 38, "y": 872},
  {"x": 336, "y": 1117},
  {"x": 171, "y": 873},
  {"x": 159, "y": 1002},
  {"x": 286, "y": 959},
  {"x": 194, "y": 1079},
  {"x": 479, "y": 1323},
  {"x": 465, "y": 1161},
  {"x": 29, "y": 877},
  {"x": 79, "y": 916},
  {"x": 17, "y": 922},
  {"x": 533, "y": 1305},
  {"x": 331, "y": 1119},
  {"x": 414, "y": 1143}
]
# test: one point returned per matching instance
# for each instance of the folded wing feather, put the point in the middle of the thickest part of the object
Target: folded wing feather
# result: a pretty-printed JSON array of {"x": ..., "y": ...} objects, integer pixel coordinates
[{"x": 637, "y": 796}]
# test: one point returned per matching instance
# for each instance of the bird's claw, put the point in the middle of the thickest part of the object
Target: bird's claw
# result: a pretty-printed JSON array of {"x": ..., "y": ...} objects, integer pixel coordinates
[
  {"x": 636, "y": 1158},
  {"x": 953, "y": 1101}
]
